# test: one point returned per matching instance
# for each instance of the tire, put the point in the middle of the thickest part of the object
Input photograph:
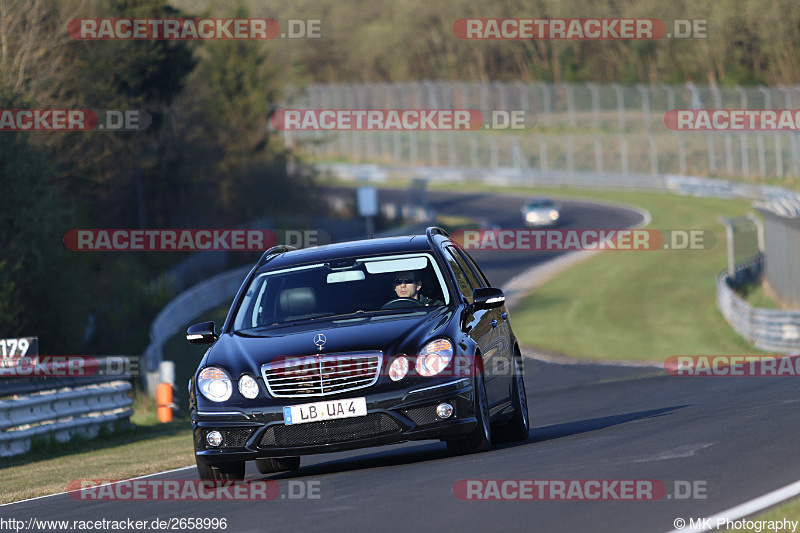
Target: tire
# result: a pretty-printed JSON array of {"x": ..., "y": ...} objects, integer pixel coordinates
[
  {"x": 271, "y": 465},
  {"x": 221, "y": 471},
  {"x": 518, "y": 427},
  {"x": 480, "y": 438}
]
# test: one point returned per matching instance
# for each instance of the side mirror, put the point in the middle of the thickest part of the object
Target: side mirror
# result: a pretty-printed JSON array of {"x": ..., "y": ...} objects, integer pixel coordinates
[
  {"x": 487, "y": 298},
  {"x": 202, "y": 333}
]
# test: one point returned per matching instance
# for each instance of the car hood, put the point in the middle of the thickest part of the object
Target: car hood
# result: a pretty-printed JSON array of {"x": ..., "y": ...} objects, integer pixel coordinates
[{"x": 394, "y": 334}]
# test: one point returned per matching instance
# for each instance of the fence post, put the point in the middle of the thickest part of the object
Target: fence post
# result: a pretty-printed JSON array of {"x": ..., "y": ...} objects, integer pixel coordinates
[
  {"x": 547, "y": 102},
  {"x": 518, "y": 157},
  {"x": 681, "y": 154},
  {"x": 729, "y": 153},
  {"x": 620, "y": 108},
  {"x": 543, "y": 154},
  {"x": 524, "y": 96},
  {"x": 473, "y": 151},
  {"x": 570, "y": 104},
  {"x": 745, "y": 155},
  {"x": 742, "y": 97},
  {"x": 493, "y": 158},
  {"x": 670, "y": 97},
  {"x": 598, "y": 154},
  {"x": 645, "y": 104},
  {"x": 396, "y": 158},
  {"x": 623, "y": 154},
  {"x": 595, "y": 105},
  {"x": 653, "y": 154},
  {"x": 712, "y": 153},
  {"x": 570, "y": 162},
  {"x": 767, "y": 97},
  {"x": 762, "y": 159}
]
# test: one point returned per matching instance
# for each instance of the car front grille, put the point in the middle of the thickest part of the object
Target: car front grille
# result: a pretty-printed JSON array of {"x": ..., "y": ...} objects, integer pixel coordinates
[
  {"x": 329, "y": 431},
  {"x": 303, "y": 377}
]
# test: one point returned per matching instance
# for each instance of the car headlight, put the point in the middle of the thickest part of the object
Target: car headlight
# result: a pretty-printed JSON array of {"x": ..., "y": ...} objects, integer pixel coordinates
[
  {"x": 399, "y": 368},
  {"x": 554, "y": 214},
  {"x": 214, "y": 384},
  {"x": 248, "y": 387},
  {"x": 434, "y": 357}
]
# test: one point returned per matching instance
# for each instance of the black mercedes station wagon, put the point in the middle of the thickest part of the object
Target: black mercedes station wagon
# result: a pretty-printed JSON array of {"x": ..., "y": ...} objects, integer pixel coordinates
[{"x": 356, "y": 344}]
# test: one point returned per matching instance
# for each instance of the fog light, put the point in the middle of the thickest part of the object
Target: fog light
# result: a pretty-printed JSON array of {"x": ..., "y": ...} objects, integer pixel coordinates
[
  {"x": 444, "y": 410},
  {"x": 214, "y": 438}
]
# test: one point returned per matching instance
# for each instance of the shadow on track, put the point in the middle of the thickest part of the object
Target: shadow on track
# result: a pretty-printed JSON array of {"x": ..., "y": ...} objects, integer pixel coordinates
[{"x": 557, "y": 431}]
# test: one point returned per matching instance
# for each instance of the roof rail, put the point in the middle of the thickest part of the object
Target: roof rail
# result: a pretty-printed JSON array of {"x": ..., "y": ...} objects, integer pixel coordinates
[
  {"x": 279, "y": 249},
  {"x": 433, "y": 230}
]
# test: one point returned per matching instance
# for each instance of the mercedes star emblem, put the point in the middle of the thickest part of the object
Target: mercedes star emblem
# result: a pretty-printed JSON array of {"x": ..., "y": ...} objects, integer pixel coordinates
[{"x": 319, "y": 340}]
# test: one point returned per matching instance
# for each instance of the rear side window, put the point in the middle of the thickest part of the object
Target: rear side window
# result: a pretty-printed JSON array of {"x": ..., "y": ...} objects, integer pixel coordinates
[
  {"x": 481, "y": 278},
  {"x": 462, "y": 273}
]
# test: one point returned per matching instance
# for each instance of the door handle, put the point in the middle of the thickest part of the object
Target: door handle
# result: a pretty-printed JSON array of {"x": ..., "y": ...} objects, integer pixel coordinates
[{"x": 494, "y": 323}]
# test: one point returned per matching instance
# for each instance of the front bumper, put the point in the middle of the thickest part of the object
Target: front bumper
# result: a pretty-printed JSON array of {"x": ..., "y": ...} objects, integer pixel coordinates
[{"x": 392, "y": 417}]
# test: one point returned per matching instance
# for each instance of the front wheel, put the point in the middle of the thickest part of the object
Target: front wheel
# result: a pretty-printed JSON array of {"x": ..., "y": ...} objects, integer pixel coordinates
[
  {"x": 480, "y": 438},
  {"x": 518, "y": 427},
  {"x": 220, "y": 472}
]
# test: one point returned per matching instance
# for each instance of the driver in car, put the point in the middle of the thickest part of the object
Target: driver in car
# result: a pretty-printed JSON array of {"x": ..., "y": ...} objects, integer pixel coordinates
[{"x": 408, "y": 285}]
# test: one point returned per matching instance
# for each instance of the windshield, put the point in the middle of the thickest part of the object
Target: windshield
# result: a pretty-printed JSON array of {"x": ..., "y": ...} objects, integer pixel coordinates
[
  {"x": 540, "y": 204},
  {"x": 409, "y": 282}
]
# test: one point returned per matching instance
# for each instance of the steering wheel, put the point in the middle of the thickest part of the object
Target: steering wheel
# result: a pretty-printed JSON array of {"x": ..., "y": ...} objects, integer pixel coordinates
[{"x": 391, "y": 304}]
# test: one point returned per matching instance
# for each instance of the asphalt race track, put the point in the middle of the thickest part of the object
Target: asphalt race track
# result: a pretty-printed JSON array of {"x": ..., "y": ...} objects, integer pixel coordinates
[{"x": 733, "y": 439}]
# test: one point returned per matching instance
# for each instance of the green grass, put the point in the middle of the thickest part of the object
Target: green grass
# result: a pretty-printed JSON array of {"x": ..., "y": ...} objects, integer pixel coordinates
[
  {"x": 790, "y": 511},
  {"x": 129, "y": 452}
]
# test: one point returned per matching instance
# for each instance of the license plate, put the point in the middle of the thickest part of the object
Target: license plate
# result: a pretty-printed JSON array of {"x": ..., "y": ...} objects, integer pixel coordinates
[{"x": 330, "y": 410}]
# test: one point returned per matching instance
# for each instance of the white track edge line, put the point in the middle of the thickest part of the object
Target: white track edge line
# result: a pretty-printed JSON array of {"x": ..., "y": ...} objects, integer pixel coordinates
[
  {"x": 116, "y": 481},
  {"x": 747, "y": 508}
]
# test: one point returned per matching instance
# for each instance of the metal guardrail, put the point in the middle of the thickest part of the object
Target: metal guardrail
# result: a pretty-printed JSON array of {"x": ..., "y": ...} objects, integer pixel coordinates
[
  {"x": 60, "y": 408},
  {"x": 770, "y": 330},
  {"x": 190, "y": 303}
]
